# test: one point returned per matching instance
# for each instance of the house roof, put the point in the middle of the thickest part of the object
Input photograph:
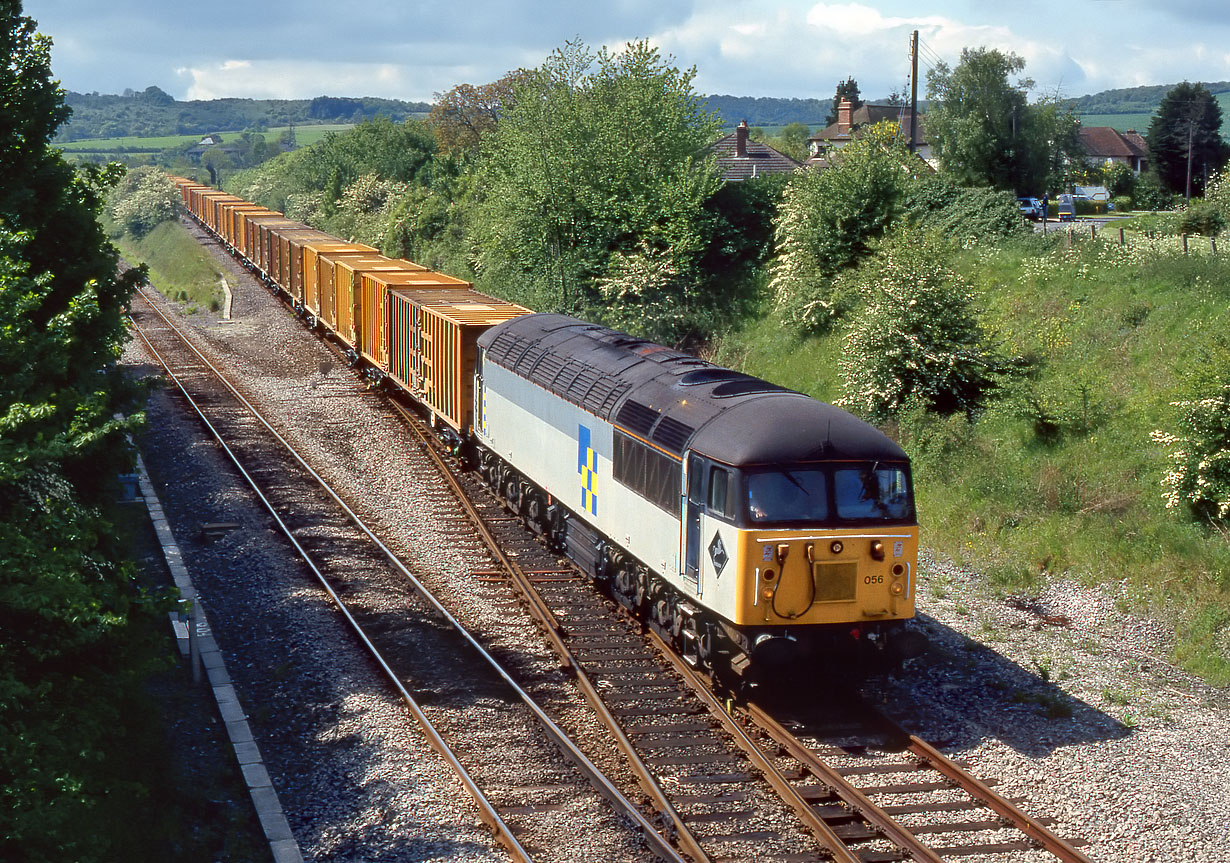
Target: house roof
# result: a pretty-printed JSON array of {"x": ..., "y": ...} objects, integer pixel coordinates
[
  {"x": 869, "y": 115},
  {"x": 1105, "y": 142},
  {"x": 1137, "y": 142},
  {"x": 761, "y": 159}
]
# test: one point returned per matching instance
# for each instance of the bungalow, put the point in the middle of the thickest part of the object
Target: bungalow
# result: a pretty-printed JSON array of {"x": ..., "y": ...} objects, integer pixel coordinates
[
  {"x": 1106, "y": 146},
  {"x": 740, "y": 158}
]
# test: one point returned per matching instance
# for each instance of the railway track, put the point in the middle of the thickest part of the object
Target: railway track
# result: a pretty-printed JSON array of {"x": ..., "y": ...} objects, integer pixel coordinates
[
  {"x": 726, "y": 790},
  {"x": 475, "y": 708},
  {"x": 684, "y": 736}
]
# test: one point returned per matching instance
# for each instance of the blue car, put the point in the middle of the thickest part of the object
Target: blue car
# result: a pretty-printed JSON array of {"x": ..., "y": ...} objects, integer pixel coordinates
[{"x": 1031, "y": 208}]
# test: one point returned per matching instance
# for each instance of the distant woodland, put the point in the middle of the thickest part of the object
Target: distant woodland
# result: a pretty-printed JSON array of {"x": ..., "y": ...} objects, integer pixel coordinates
[
  {"x": 1134, "y": 100},
  {"x": 152, "y": 112}
]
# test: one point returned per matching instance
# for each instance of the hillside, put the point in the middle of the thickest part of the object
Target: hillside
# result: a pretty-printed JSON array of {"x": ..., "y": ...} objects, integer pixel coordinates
[
  {"x": 1134, "y": 100},
  {"x": 153, "y": 112}
]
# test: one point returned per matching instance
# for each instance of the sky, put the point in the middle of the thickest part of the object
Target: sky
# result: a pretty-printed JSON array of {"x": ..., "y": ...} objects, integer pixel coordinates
[{"x": 411, "y": 49}]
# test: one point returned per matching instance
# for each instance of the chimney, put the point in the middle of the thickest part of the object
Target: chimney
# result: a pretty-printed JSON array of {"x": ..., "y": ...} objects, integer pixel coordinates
[
  {"x": 741, "y": 140},
  {"x": 843, "y": 117}
]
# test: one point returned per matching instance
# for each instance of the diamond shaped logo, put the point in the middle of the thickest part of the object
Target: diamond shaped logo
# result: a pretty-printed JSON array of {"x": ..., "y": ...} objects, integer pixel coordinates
[{"x": 717, "y": 553}]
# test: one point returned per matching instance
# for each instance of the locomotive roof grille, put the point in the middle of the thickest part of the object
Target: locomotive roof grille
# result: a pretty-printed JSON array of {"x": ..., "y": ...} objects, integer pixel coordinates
[
  {"x": 672, "y": 434},
  {"x": 637, "y": 417}
]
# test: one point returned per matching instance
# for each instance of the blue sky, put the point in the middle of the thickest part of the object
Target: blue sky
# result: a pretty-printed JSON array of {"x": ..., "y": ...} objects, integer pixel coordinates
[{"x": 792, "y": 48}]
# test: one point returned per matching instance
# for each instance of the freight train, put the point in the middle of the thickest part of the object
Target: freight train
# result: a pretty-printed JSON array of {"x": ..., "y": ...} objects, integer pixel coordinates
[{"x": 755, "y": 528}]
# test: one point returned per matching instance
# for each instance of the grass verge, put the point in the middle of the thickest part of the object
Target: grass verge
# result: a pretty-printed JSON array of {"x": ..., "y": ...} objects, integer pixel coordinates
[
  {"x": 178, "y": 266},
  {"x": 1060, "y": 475}
]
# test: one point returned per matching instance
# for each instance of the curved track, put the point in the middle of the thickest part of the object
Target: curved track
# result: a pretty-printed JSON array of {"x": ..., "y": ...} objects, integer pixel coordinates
[{"x": 339, "y": 549}]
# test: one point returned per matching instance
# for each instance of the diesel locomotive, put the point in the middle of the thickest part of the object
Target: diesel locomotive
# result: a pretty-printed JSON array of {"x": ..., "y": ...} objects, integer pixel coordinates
[{"x": 755, "y": 528}]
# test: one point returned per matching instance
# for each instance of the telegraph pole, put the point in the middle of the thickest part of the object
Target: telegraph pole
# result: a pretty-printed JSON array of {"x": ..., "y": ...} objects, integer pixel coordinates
[{"x": 913, "y": 91}]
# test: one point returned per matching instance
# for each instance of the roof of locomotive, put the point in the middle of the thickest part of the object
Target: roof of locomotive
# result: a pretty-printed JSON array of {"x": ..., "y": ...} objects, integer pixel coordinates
[{"x": 675, "y": 400}]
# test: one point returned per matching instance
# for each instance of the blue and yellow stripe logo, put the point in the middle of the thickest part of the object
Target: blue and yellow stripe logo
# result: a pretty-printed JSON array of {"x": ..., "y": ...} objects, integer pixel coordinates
[{"x": 587, "y": 467}]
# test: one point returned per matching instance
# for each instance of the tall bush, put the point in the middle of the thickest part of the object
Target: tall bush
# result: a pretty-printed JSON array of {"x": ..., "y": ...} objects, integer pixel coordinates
[
  {"x": 915, "y": 337},
  {"x": 1199, "y": 478},
  {"x": 830, "y": 218}
]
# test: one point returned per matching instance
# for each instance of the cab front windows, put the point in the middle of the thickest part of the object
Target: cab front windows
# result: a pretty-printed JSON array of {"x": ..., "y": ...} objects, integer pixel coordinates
[
  {"x": 793, "y": 495},
  {"x": 844, "y": 493},
  {"x": 872, "y": 492}
]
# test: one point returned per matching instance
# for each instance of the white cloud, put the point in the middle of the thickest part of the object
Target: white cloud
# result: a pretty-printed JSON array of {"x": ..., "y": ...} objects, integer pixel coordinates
[{"x": 293, "y": 79}]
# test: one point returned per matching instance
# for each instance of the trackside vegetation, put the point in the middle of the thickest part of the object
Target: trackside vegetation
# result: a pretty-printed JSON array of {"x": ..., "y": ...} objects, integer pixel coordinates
[{"x": 1103, "y": 457}]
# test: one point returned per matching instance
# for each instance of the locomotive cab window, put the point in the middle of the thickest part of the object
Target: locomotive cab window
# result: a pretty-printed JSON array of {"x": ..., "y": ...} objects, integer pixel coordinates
[
  {"x": 789, "y": 495},
  {"x": 873, "y": 492},
  {"x": 719, "y": 485},
  {"x": 826, "y": 494}
]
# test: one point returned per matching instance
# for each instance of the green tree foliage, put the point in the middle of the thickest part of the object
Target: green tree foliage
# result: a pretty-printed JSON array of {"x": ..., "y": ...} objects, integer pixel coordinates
[
  {"x": 915, "y": 338},
  {"x": 963, "y": 213},
  {"x": 830, "y": 218},
  {"x": 65, "y": 602},
  {"x": 143, "y": 199},
  {"x": 985, "y": 132},
  {"x": 602, "y": 164},
  {"x": 793, "y": 141},
  {"x": 1187, "y": 124},
  {"x": 847, "y": 90},
  {"x": 349, "y": 183}
]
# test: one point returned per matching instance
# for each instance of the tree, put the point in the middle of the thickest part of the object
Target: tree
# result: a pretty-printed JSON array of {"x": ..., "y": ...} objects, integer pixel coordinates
[
  {"x": 66, "y": 599},
  {"x": 793, "y": 141},
  {"x": 462, "y": 116},
  {"x": 847, "y": 90},
  {"x": 216, "y": 160},
  {"x": 1184, "y": 138},
  {"x": 915, "y": 337},
  {"x": 830, "y": 218},
  {"x": 144, "y": 199},
  {"x": 600, "y": 158},
  {"x": 985, "y": 132}
]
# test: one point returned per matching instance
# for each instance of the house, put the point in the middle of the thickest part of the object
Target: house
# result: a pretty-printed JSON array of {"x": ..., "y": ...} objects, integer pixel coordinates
[
  {"x": 850, "y": 120},
  {"x": 739, "y": 158},
  {"x": 1106, "y": 146}
]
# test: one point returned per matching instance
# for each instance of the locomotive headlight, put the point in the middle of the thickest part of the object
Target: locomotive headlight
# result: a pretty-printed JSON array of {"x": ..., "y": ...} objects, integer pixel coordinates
[
  {"x": 836, "y": 546},
  {"x": 877, "y": 549},
  {"x": 896, "y": 588}
]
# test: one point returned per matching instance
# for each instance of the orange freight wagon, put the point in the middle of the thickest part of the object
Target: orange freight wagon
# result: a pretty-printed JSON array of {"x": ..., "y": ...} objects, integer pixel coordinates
[
  {"x": 432, "y": 346},
  {"x": 374, "y": 312}
]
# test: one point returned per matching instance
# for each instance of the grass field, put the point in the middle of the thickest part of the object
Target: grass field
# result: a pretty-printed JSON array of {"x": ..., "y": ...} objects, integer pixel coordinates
[
  {"x": 304, "y": 135},
  {"x": 1060, "y": 476}
]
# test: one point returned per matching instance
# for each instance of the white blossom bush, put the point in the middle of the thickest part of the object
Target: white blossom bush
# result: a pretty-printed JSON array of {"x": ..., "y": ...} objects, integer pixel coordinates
[
  {"x": 830, "y": 219},
  {"x": 144, "y": 199},
  {"x": 915, "y": 337},
  {"x": 1199, "y": 477},
  {"x": 641, "y": 293}
]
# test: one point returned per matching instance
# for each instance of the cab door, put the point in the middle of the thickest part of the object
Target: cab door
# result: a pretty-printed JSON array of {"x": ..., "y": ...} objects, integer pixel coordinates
[{"x": 695, "y": 499}]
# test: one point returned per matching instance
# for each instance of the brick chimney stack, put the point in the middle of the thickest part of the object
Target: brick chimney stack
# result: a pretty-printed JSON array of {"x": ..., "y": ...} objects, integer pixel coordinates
[
  {"x": 844, "y": 110},
  {"x": 741, "y": 140}
]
